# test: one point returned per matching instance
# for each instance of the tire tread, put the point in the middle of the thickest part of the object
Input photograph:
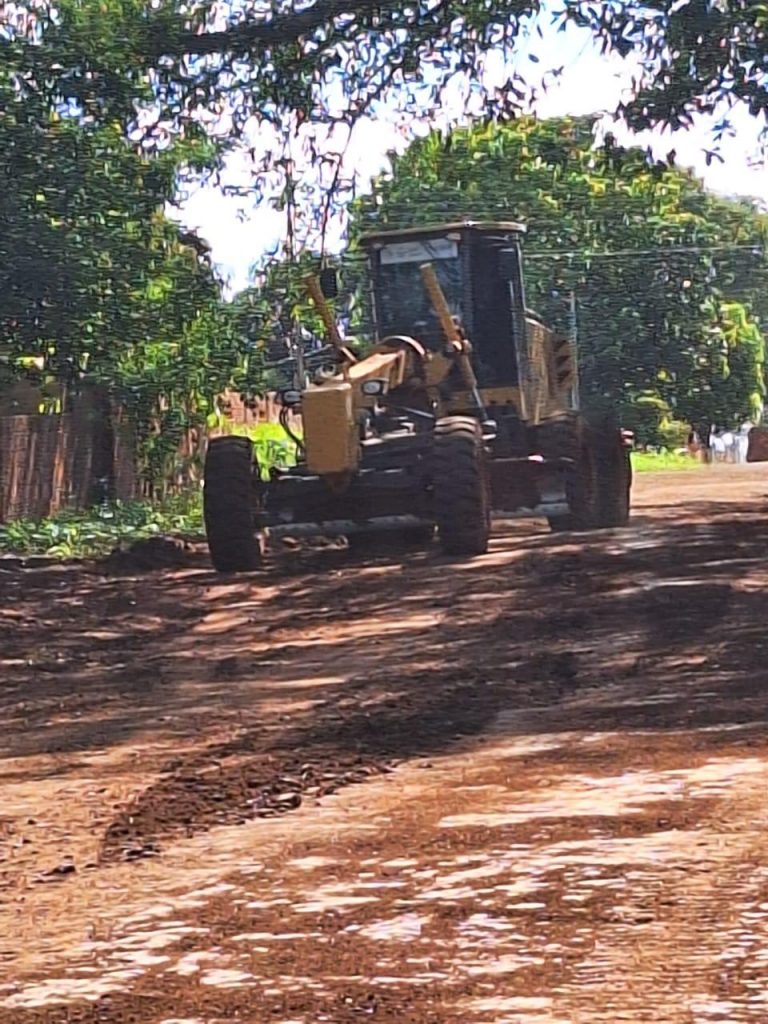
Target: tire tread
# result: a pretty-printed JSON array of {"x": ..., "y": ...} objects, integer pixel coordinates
[{"x": 227, "y": 505}]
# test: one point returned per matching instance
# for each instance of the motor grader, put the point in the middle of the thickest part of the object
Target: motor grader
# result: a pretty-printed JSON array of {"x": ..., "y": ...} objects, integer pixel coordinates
[{"x": 465, "y": 409}]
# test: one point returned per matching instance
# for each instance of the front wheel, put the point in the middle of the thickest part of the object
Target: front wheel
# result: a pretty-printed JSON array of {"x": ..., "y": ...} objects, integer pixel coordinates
[
  {"x": 228, "y": 505},
  {"x": 462, "y": 506}
]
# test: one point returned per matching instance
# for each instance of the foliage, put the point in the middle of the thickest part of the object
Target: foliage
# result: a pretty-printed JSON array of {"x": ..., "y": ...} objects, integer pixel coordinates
[
  {"x": 262, "y": 57},
  {"x": 267, "y": 57},
  {"x": 171, "y": 383},
  {"x": 96, "y": 532},
  {"x": 653, "y": 259},
  {"x": 97, "y": 284},
  {"x": 673, "y": 434},
  {"x": 696, "y": 57},
  {"x": 89, "y": 265},
  {"x": 288, "y": 80},
  {"x": 272, "y": 446},
  {"x": 269, "y": 314},
  {"x": 107, "y": 105},
  {"x": 275, "y": 313}
]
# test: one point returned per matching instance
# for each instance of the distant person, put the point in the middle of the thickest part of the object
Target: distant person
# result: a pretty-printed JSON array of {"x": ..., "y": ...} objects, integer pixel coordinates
[
  {"x": 742, "y": 442},
  {"x": 716, "y": 446},
  {"x": 729, "y": 446},
  {"x": 704, "y": 432}
]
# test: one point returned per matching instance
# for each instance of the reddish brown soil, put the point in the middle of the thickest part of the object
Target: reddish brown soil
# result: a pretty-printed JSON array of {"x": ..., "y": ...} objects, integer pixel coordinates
[{"x": 528, "y": 787}]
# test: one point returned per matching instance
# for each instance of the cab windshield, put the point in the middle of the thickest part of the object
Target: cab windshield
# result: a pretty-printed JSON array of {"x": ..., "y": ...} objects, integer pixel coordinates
[{"x": 402, "y": 303}]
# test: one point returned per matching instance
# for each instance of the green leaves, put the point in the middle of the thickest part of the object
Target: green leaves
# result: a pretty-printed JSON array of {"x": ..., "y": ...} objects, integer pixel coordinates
[
  {"x": 96, "y": 282},
  {"x": 698, "y": 57},
  {"x": 96, "y": 533}
]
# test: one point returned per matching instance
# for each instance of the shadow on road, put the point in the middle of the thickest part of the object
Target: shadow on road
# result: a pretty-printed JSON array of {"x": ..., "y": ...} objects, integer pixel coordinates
[{"x": 324, "y": 669}]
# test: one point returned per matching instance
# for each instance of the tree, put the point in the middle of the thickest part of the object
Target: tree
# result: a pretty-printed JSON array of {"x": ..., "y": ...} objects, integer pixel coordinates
[
  {"x": 97, "y": 285},
  {"x": 269, "y": 57},
  {"x": 697, "y": 57},
  {"x": 263, "y": 57},
  {"x": 182, "y": 82},
  {"x": 277, "y": 76},
  {"x": 655, "y": 261}
]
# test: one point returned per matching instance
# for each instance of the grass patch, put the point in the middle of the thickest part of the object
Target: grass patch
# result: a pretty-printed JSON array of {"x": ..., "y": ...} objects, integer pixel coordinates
[{"x": 650, "y": 462}]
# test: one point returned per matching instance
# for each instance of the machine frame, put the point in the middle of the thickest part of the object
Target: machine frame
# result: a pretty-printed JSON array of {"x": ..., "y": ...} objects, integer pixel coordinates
[{"x": 408, "y": 439}]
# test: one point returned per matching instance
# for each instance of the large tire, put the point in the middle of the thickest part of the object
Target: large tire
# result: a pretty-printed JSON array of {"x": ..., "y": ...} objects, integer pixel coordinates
[
  {"x": 228, "y": 505},
  {"x": 614, "y": 481},
  {"x": 461, "y": 494},
  {"x": 581, "y": 485}
]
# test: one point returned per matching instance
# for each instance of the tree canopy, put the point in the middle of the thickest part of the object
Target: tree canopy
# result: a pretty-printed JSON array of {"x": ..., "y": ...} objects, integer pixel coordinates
[
  {"x": 107, "y": 105},
  {"x": 666, "y": 275},
  {"x": 270, "y": 56},
  {"x": 697, "y": 57},
  {"x": 96, "y": 283}
]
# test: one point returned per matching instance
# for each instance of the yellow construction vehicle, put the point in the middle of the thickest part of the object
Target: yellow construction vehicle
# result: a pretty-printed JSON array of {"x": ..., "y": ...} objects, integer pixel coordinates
[{"x": 465, "y": 409}]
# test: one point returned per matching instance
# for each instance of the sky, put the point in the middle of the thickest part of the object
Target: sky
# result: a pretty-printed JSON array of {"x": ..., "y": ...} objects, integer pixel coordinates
[{"x": 243, "y": 234}]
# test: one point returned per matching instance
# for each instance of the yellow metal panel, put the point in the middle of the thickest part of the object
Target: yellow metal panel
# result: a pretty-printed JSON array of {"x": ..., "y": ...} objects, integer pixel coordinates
[
  {"x": 331, "y": 436},
  {"x": 545, "y": 395},
  {"x": 389, "y": 365},
  {"x": 379, "y": 364},
  {"x": 537, "y": 336},
  {"x": 565, "y": 374}
]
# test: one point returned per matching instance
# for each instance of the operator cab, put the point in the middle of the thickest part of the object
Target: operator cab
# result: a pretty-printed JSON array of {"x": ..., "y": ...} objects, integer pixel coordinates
[{"x": 479, "y": 267}]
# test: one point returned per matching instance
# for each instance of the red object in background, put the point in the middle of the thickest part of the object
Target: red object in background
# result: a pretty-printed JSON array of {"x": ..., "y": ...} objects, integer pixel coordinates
[{"x": 758, "y": 445}]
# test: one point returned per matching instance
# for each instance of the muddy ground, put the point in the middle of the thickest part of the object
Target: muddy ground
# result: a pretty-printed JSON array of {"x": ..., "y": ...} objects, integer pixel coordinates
[{"x": 529, "y": 788}]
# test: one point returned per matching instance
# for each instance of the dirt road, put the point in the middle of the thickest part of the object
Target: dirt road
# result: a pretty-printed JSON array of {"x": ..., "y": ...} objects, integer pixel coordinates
[{"x": 526, "y": 788}]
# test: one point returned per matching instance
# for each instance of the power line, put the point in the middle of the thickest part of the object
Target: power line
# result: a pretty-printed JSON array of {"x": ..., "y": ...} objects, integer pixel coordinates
[{"x": 660, "y": 251}]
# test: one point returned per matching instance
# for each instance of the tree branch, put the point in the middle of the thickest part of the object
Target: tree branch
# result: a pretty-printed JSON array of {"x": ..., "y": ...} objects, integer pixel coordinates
[{"x": 284, "y": 28}]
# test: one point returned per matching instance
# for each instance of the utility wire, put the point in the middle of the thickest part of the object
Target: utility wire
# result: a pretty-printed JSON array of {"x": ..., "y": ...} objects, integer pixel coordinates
[
  {"x": 660, "y": 251},
  {"x": 541, "y": 254}
]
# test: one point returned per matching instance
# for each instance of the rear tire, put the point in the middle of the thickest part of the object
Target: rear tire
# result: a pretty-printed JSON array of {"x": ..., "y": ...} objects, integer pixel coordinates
[
  {"x": 581, "y": 485},
  {"x": 228, "y": 505},
  {"x": 614, "y": 479},
  {"x": 461, "y": 496}
]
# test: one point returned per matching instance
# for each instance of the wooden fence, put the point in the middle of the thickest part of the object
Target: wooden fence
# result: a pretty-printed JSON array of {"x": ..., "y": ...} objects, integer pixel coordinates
[{"x": 52, "y": 461}]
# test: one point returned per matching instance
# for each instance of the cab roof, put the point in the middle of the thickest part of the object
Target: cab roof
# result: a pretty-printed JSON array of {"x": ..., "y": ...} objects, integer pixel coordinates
[{"x": 426, "y": 230}]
